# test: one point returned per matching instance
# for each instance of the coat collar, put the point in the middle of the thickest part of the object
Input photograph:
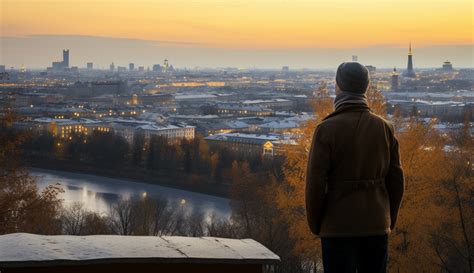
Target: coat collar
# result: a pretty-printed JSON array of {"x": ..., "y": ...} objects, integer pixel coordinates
[{"x": 348, "y": 108}]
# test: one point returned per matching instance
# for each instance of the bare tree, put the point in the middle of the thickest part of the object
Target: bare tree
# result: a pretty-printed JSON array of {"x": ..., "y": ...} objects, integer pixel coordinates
[
  {"x": 73, "y": 219},
  {"x": 122, "y": 217}
]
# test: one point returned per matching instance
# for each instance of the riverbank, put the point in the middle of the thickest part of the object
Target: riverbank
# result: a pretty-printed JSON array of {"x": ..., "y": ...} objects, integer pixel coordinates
[{"x": 193, "y": 183}]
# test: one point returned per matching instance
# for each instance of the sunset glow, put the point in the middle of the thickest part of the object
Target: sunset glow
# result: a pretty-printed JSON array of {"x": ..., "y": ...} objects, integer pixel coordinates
[{"x": 249, "y": 24}]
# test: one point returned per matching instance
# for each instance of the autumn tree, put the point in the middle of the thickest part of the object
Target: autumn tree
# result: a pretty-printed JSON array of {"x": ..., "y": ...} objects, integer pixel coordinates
[
  {"x": 424, "y": 164},
  {"x": 291, "y": 193},
  {"x": 256, "y": 215},
  {"x": 22, "y": 207},
  {"x": 452, "y": 241}
]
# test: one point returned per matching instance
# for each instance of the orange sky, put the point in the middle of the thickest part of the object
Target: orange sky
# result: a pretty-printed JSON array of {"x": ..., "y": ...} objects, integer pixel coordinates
[{"x": 249, "y": 24}]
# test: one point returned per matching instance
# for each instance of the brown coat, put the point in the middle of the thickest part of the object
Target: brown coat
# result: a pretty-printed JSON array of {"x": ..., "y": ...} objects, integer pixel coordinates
[{"x": 354, "y": 182}]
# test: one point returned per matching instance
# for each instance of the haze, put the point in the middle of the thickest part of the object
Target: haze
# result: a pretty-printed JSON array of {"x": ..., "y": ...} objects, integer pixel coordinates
[{"x": 242, "y": 33}]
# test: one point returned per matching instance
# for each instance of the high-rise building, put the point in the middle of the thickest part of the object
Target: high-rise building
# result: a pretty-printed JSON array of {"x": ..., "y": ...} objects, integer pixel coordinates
[
  {"x": 165, "y": 66},
  {"x": 131, "y": 66},
  {"x": 112, "y": 67},
  {"x": 90, "y": 66},
  {"x": 410, "y": 73},
  {"x": 156, "y": 68},
  {"x": 66, "y": 58},
  {"x": 2, "y": 68},
  {"x": 394, "y": 77},
  {"x": 60, "y": 66},
  {"x": 447, "y": 66},
  {"x": 355, "y": 58}
]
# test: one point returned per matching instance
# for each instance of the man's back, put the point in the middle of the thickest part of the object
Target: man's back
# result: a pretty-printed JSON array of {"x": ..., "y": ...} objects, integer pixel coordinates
[{"x": 359, "y": 155}]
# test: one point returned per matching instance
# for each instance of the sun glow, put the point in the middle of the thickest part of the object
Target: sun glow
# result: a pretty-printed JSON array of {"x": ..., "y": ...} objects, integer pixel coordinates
[{"x": 246, "y": 23}]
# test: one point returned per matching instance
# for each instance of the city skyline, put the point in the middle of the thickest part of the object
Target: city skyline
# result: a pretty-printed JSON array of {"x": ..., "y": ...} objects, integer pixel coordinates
[
  {"x": 38, "y": 51},
  {"x": 243, "y": 34}
]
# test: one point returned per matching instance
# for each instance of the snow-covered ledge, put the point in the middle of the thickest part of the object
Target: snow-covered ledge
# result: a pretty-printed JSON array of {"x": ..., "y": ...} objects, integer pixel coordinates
[{"x": 23, "y": 252}]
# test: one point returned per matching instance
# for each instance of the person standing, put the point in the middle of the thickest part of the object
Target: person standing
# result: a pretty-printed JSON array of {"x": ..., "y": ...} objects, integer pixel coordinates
[{"x": 354, "y": 181}]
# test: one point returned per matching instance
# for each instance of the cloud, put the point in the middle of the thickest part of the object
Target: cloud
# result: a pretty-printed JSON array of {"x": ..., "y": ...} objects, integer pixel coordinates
[{"x": 103, "y": 38}]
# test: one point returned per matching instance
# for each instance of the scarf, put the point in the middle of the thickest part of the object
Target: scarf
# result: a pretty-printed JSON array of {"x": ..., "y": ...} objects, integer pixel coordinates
[{"x": 349, "y": 98}]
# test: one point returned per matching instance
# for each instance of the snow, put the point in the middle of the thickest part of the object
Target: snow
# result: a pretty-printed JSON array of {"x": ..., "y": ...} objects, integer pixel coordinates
[
  {"x": 247, "y": 136},
  {"x": 25, "y": 247},
  {"x": 263, "y": 101},
  {"x": 194, "y": 116}
]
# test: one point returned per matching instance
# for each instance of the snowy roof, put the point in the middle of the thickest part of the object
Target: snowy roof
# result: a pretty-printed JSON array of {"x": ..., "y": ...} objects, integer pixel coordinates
[
  {"x": 281, "y": 124},
  {"x": 24, "y": 248},
  {"x": 290, "y": 122},
  {"x": 247, "y": 138},
  {"x": 263, "y": 101},
  {"x": 241, "y": 107},
  {"x": 195, "y": 96},
  {"x": 230, "y": 124},
  {"x": 57, "y": 121},
  {"x": 154, "y": 127},
  {"x": 194, "y": 116}
]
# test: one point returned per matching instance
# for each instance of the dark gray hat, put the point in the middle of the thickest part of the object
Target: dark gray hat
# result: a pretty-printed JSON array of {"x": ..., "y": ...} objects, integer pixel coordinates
[{"x": 352, "y": 77}]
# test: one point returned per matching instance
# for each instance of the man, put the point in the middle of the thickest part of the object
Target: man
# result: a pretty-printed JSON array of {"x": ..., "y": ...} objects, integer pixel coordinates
[{"x": 354, "y": 182}]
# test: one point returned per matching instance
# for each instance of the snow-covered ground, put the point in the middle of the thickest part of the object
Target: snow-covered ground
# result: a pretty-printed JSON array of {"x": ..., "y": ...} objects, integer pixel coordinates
[
  {"x": 24, "y": 247},
  {"x": 99, "y": 193}
]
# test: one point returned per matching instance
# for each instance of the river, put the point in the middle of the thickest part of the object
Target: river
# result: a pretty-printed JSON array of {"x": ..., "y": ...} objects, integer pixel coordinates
[{"x": 99, "y": 193}]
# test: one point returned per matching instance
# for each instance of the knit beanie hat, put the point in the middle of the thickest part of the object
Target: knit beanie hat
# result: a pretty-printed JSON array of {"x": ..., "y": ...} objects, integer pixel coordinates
[{"x": 352, "y": 77}]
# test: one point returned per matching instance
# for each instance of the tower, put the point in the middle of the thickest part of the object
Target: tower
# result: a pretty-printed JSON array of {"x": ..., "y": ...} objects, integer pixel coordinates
[
  {"x": 409, "y": 72},
  {"x": 447, "y": 66},
  {"x": 165, "y": 66},
  {"x": 394, "y": 77},
  {"x": 66, "y": 58}
]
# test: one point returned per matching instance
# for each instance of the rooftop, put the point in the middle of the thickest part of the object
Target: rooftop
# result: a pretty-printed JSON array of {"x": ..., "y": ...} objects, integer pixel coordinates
[{"x": 24, "y": 250}]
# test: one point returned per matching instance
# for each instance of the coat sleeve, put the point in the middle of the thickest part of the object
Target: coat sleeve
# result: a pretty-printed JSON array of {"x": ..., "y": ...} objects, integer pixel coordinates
[
  {"x": 316, "y": 180},
  {"x": 395, "y": 181}
]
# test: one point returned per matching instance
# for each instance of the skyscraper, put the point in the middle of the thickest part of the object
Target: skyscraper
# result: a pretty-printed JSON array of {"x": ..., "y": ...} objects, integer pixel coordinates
[
  {"x": 131, "y": 66},
  {"x": 64, "y": 64},
  {"x": 156, "y": 68},
  {"x": 66, "y": 58},
  {"x": 409, "y": 72},
  {"x": 394, "y": 77},
  {"x": 447, "y": 66},
  {"x": 90, "y": 66},
  {"x": 165, "y": 66}
]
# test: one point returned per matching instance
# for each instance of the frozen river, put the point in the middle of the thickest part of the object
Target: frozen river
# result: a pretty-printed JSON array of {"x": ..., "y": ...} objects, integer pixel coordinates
[{"x": 98, "y": 193}]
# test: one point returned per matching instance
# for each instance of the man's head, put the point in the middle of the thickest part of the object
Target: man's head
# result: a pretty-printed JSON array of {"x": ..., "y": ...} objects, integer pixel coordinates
[{"x": 352, "y": 77}]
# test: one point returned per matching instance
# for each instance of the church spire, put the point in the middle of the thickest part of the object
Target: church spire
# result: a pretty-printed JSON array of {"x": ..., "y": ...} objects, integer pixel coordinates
[{"x": 409, "y": 72}]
